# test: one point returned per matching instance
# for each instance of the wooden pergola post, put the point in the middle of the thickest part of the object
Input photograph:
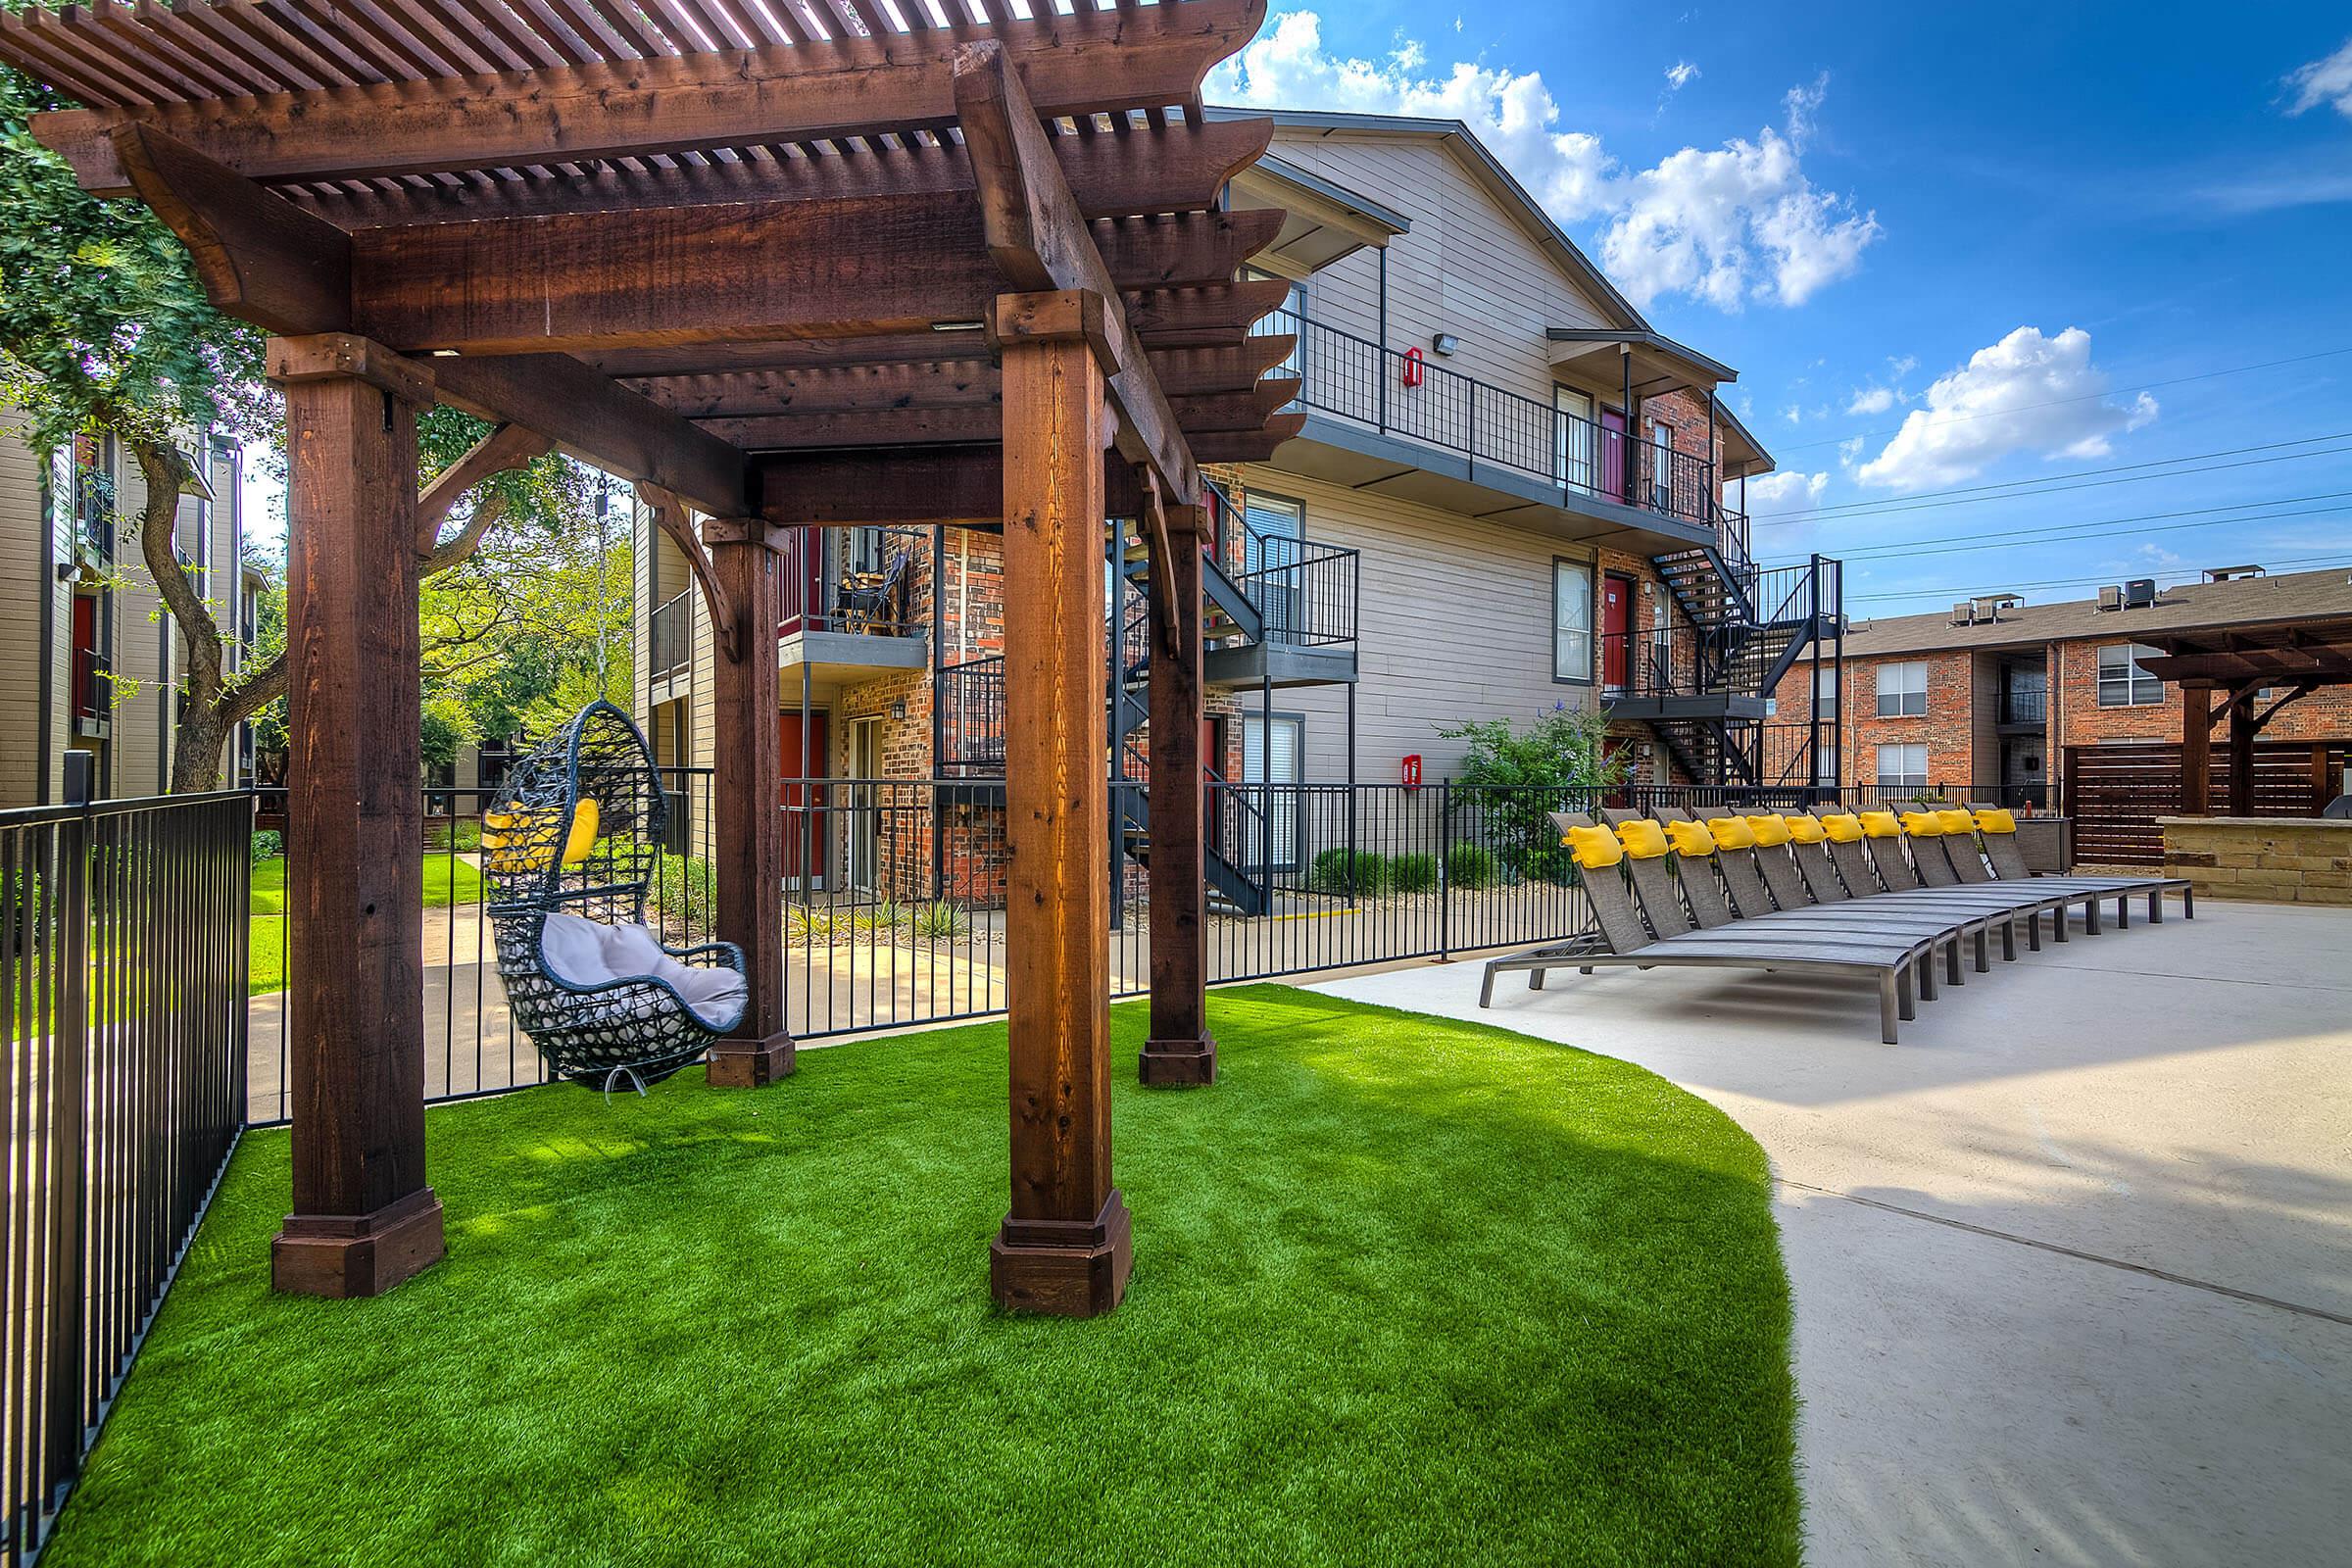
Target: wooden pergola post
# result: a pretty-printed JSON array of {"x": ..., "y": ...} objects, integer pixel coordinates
[
  {"x": 746, "y": 851},
  {"x": 363, "y": 1218},
  {"x": 1180, "y": 1050},
  {"x": 2196, "y": 750},
  {"x": 1064, "y": 1246},
  {"x": 2241, "y": 754}
]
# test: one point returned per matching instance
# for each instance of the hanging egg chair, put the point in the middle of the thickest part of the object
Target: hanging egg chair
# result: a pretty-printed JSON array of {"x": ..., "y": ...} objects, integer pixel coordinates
[{"x": 570, "y": 845}]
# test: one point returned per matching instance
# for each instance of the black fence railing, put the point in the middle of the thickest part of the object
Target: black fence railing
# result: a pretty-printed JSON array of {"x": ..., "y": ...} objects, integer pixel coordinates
[
  {"x": 971, "y": 719},
  {"x": 669, "y": 637},
  {"x": 2025, "y": 705},
  {"x": 122, "y": 982},
  {"x": 1402, "y": 393},
  {"x": 1303, "y": 592}
]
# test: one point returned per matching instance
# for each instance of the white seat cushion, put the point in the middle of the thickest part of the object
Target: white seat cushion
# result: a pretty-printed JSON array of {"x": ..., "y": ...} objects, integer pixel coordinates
[{"x": 588, "y": 953}]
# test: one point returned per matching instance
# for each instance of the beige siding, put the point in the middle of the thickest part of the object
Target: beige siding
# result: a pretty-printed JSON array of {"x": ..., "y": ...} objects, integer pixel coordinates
[
  {"x": 1467, "y": 266},
  {"x": 1455, "y": 619},
  {"x": 25, "y": 580}
]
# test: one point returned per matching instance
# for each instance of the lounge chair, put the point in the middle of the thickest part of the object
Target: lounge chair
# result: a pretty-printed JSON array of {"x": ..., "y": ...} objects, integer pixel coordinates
[
  {"x": 1867, "y": 848},
  {"x": 1996, "y": 830},
  {"x": 1621, "y": 939}
]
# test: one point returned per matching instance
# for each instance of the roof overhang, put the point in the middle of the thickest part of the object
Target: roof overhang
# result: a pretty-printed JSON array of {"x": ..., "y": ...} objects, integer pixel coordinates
[
  {"x": 1322, "y": 221},
  {"x": 1660, "y": 364}
]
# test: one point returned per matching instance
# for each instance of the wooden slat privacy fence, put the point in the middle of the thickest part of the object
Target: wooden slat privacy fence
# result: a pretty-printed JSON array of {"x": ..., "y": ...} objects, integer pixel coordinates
[{"x": 2116, "y": 793}]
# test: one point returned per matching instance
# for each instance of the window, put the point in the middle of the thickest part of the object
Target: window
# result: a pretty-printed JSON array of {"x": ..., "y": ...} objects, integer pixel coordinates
[
  {"x": 1903, "y": 690},
  {"x": 1571, "y": 620},
  {"x": 1572, "y": 437},
  {"x": 1825, "y": 765},
  {"x": 1290, "y": 320},
  {"x": 2122, "y": 682},
  {"x": 1825, "y": 693},
  {"x": 1270, "y": 817},
  {"x": 1273, "y": 530},
  {"x": 1904, "y": 766},
  {"x": 1661, "y": 466}
]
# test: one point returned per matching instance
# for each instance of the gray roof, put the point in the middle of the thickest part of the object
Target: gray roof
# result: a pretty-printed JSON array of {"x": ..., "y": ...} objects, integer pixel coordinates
[{"x": 2240, "y": 602}]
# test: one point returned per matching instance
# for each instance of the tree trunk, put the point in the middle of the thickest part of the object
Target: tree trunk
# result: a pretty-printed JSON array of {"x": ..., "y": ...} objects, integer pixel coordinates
[{"x": 197, "y": 749}]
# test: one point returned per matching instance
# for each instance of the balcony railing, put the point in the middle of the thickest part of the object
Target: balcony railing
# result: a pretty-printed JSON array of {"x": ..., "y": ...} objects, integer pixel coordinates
[
  {"x": 670, "y": 638},
  {"x": 93, "y": 690},
  {"x": 863, "y": 585},
  {"x": 2025, "y": 705},
  {"x": 1398, "y": 394}
]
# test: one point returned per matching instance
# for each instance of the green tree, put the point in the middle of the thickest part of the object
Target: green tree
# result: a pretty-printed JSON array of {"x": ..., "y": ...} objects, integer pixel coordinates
[{"x": 104, "y": 326}]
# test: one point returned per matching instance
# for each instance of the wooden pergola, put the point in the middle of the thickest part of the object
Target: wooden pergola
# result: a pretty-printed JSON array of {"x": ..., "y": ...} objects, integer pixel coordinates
[
  {"x": 781, "y": 262},
  {"x": 2247, "y": 674}
]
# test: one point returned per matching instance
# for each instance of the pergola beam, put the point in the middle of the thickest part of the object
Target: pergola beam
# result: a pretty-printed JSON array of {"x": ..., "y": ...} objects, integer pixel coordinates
[
  {"x": 1040, "y": 242},
  {"x": 1088, "y": 62},
  {"x": 859, "y": 267},
  {"x": 972, "y": 415}
]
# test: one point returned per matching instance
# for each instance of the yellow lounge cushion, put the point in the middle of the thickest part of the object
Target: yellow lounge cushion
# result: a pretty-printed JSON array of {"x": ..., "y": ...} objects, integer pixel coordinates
[
  {"x": 1643, "y": 839},
  {"x": 1809, "y": 829},
  {"x": 1955, "y": 820},
  {"x": 1996, "y": 821},
  {"x": 1595, "y": 847},
  {"x": 1771, "y": 830},
  {"x": 1731, "y": 833},
  {"x": 1880, "y": 825},
  {"x": 1921, "y": 825},
  {"x": 1689, "y": 838},
  {"x": 1843, "y": 827}
]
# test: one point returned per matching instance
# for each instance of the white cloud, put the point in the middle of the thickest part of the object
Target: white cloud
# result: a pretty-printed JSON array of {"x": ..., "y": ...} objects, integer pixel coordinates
[
  {"x": 1740, "y": 221},
  {"x": 2026, "y": 393},
  {"x": 1786, "y": 493},
  {"x": 1872, "y": 400},
  {"x": 2323, "y": 81},
  {"x": 1903, "y": 366},
  {"x": 1681, "y": 74},
  {"x": 1850, "y": 451}
]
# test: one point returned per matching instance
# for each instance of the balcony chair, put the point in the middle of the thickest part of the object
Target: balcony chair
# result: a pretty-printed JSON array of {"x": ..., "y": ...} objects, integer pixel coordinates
[
  {"x": 871, "y": 604},
  {"x": 569, "y": 845}
]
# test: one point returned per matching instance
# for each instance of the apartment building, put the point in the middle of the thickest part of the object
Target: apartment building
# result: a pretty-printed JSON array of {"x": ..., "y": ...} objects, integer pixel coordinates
[
  {"x": 2000, "y": 694},
  {"x": 1511, "y": 492},
  {"x": 88, "y": 660}
]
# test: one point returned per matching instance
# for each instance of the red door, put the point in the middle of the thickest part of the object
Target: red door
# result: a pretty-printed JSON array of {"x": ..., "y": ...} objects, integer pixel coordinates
[
  {"x": 804, "y": 802},
  {"x": 1612, "y": 454},
  {"x": 804, "y": 588},
  {"x": 1616, "y": 633}
]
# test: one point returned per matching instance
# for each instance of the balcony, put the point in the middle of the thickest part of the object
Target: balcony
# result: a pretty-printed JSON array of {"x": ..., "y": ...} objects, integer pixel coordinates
[
  {"x": 669, "y": 639},
  {"x": 2027, "y": 707},
  {"x": 1396, "y": 423},
  {"x": 850, "y": 601}
]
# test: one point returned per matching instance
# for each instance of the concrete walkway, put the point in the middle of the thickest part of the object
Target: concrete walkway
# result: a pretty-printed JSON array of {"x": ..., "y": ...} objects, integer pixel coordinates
[{"x": 2073, "y": 1263}]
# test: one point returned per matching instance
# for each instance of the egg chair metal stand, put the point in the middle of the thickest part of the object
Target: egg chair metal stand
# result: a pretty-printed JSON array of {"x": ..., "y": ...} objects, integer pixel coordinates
[{"x": 578, "y": 829}]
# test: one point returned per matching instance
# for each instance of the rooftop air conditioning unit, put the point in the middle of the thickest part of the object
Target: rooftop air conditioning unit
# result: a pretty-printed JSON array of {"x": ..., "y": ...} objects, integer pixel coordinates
[
  {"x": 2139, "y": 593},
  {"x": 2111, "y": 599},
  {"x": 1964, "y": 613}
]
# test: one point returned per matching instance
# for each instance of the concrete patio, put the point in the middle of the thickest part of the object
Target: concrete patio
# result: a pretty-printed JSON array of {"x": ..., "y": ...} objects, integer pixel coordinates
[{"x": 2072, "y": 1264}]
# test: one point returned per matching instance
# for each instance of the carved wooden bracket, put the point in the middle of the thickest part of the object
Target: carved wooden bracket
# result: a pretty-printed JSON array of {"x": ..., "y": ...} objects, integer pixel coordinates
[{"x": 669, "y": 515}]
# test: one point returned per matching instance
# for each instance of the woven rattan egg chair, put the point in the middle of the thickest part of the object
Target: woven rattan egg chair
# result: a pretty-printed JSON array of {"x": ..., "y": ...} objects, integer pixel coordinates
[{"x": 570, "y": 845}]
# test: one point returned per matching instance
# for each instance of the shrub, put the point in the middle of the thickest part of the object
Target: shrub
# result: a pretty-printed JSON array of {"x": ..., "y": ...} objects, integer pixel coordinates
[
  {"x": 1472, "y": 865},
  {"x": 940, "y": 922},
  {"x": 1509, "y": 783},
  {"x": 1358, "y": 871},
  {"x": 266, "y": 844},
  {"x": 685, "y": 891},
  {"x": 1414, "y": 873}
]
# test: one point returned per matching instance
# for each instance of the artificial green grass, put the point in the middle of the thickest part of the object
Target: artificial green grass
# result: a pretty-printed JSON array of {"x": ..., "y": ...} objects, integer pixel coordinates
[{"x": 1405, "y": 1291}]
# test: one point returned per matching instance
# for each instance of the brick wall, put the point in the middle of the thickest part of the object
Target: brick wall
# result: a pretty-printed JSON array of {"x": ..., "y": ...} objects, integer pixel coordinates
[
  {"x": 2325, "y": 715},
  {"x": 1948, "y": 729}
]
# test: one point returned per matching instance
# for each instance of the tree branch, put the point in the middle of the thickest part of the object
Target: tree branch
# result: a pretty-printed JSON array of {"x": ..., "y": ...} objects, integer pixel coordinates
[{"x": 164, "y": 470}]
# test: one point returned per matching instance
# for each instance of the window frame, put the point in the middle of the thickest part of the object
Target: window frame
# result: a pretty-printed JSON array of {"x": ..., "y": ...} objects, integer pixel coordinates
[
  {"x": 1901, "y": 696},
  {"x": 2132, "y": 677},
  {"x": 1902, "y": 778},
  {"x": 1591, "y": 571}
]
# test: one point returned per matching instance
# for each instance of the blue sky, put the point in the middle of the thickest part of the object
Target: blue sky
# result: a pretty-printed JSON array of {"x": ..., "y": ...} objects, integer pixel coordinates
[{"x": 1949, "y": 248}]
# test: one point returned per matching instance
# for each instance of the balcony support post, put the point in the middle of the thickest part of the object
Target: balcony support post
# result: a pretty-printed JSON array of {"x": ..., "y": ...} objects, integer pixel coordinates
[
  {"x": 364, "y": 1219},
  {"x": 1180, "y": 1050}
]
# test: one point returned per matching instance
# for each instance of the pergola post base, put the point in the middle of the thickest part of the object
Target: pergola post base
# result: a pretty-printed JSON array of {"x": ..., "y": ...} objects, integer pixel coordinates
[
  {"x": 751, "y": 1063},
  {"x": 1178, "y": 1063},
  {"x": 347, "y": 1255},
  {"x": 1063, "y": 1268}
]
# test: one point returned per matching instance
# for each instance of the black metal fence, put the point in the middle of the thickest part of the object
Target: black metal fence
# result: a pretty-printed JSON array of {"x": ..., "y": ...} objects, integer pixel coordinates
[{"x": 123, "y": 960}]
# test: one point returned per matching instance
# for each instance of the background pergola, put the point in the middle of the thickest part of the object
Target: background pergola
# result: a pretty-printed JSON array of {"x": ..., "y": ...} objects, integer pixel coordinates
[
  {"x": 2246, "y": 675},
  {"x": 782, "y": 263}
]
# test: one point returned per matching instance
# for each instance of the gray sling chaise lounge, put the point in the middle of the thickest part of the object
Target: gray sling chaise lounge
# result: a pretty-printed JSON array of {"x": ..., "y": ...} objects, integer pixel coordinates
[
  {"x": 1623, "y": 939},
  {"x": 1874, "y": 861},
  {"x": 2007, "y": 863}
]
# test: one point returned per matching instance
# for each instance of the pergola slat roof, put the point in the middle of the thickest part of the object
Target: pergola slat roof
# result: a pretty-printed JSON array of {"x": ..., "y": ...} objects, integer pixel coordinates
[{"x": 788, "y": 236}]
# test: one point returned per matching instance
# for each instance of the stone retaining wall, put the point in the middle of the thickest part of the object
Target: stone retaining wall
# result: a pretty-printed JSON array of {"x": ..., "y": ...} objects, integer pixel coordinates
[{"x": 2280, "y": 860}]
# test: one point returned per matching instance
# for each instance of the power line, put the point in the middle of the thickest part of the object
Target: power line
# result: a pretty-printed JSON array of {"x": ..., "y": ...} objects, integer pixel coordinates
[
  {"x": 2015, "y": 489},
  {"x": 2060, "y": 534},
  {"x": 2085, "y": 397},
  {"x": 2311, "y": 562}
]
